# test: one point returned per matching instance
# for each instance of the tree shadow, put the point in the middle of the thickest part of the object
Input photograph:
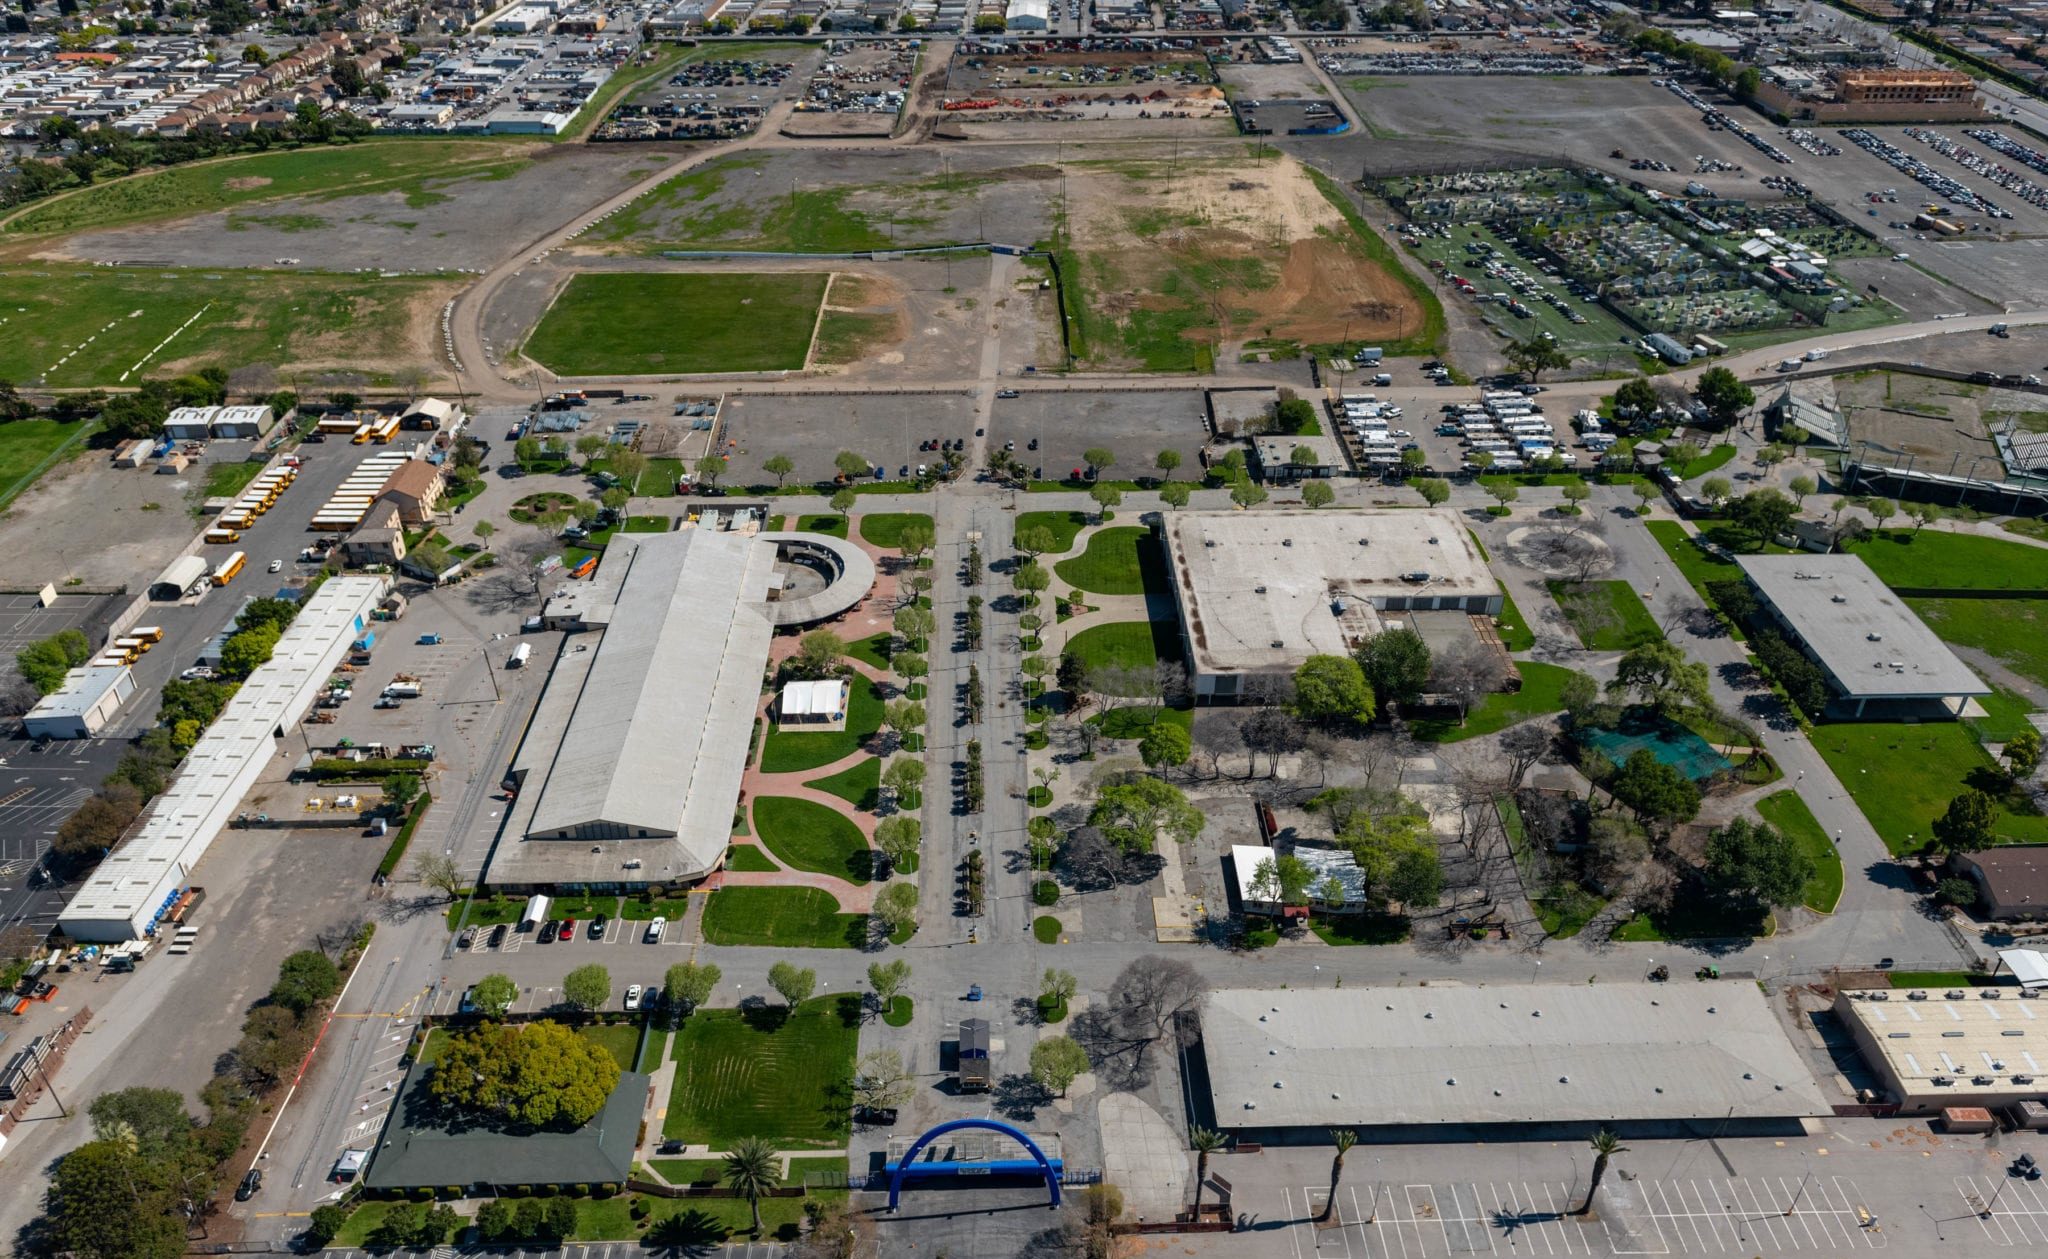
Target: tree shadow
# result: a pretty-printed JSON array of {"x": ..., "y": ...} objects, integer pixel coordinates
[
  {"x": 691, "y": 1233},
  {"x": 1122, "y": 1062},
  {"x": 1018, "y": 1097},
  {"x": 759, "y": 1015}
]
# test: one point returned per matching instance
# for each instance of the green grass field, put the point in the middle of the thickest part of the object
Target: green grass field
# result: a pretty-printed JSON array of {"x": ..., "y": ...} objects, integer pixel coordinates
[
  {"x": 418, "y": 168},
  {"x": 805, "y": 835},
  {"x": 749, "y": 858},
  {"x": 1903, "y": 777},
  {"x": 1126, "y": 644},
  {"x": 1953, "y": 561},
  {"x": 621, "y": 1041},
  {"x": 781, "y": 917},
  {"x": 25, "y": 444},
  {"x": 1713, "y": 459},
  {"x": 1606, "y": 615},
  {"x": 66, "y": 327},
  {"x": 1786, "y": 811},
  {"x": 769, "y": 1073},
  {"x": 1064, "y": 526},
  {"x": 1542, "y": 688},
  {"x": 860, "y": 786},
  {"x": 885, "y": 529},
  {"x": 625, "y": 324},
  {"x": 1515, "y": 634},
  {"x": 2013, "y": 630},
  {"x": 787, "y": 751},
  {"x": 1114, "y": 562},
  {"x": 808, "y": 220}
]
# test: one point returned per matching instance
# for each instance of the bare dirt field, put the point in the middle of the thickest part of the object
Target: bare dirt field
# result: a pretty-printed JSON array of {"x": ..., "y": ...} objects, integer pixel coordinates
[
  {"x": 1182, "y": 262},
  {"x": 1926, "y": 417},
  {"x": 460, "y": 226}
]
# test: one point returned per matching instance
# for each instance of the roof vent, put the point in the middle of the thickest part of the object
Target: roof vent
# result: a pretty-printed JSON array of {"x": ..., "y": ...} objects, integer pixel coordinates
[
  {"x": 1279, "y": 1084},
  {"x": 1258, "y": 590},
  {"x": 1916, "y": 995},
  {"x": 1209, "y": 542},
  {"x": 1365, "y": 542},
  {"x": 1839, "y": 599},
  {"x": 1287, "y": 542},
  {"x": 1453, "y": 1080},
  {"x": 1279, "y": 643},
  {"x": 2023, "y": 1079},
  {"x": 1564, "y": 1079},
  {"x": 1955, "y": 994},
  {"x": 1874, "y": 636},
  {"x": 1989, "y": 994}
]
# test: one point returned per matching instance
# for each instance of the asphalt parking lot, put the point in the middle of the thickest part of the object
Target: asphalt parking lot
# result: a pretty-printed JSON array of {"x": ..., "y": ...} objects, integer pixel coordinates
[
  {"x": 811, "y": 429},
  {"x": 1136, "y": 426}
]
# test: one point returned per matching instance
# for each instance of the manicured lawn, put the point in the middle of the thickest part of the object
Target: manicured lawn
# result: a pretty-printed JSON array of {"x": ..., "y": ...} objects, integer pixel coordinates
[
  {"x": 1954, "y": 560},
  {"x": 1046, "y": 929},
  {"x": 828, "y": 522},
  {"x": 749, "y": 857},
  {"x": 1515, "y": 634},
  {"x": 1566, "y": 912},
  {"x": 1126, "y": 644},
  {"x": 786, "y": 751},
  {"x": 656, "y": 1052},
  {"x": 488, "y": 911},
  {"x": 622, "y": 1042},
  {"x": 1707, "y": 462},
  {"x": 1064, "y": 525},
  {"x": 1903, "y": 777},
  {"x": 2013, "y": 630},
  {"x": 365, "y": 1220},
  {"x": 629, "y": 323},
  {"x": 1606, "y": 615},
  {"x": 766, "y": 1072},
  {"x": 649, "y": 524},
  {"x": 2005, "y": 714},
  {"x": 1694, "y": 919},
  {"x": 804, "y": 835},
  {"x": 860, "y": 786},
  {"x": 1696, "y": 565},
  {"x": 1541, "y": 693},
  {"x": 1786, "y": 811},
  {"x": 689, "y": 1171},
  {"x": 786, "y": 917},
  {"x": 688, "y": 1226},
  {"x": 1115, "y": 563},
  {"x": 659, "y": 480},
  {"x": 873, "y": 649},
  {"x": 1134, "y": 721},
  {"x": 583, "y": 908},
  {"x": 886, "y": 529},
  {"x": 900, "y": 1011},
  {"x": 632, "y": 910}
]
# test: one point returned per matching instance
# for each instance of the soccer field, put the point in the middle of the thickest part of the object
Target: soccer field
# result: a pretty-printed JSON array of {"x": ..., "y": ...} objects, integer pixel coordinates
[{"x": 613, "y": 324}]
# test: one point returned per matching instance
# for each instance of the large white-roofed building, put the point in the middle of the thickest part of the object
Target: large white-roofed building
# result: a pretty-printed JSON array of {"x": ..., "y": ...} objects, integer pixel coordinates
[
  {"x": 1638, "y": 1057},
  {"x": 122, "y": 899},
  {"x": 1937, "y": 1048},
  {"x": 1260, "y": 592}
]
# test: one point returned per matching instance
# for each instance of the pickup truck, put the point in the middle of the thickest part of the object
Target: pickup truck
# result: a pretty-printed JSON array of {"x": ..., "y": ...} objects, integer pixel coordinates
[{"x": 429, "y": 640}]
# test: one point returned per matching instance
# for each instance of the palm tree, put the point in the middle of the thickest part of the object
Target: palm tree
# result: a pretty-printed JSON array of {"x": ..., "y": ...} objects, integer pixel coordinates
[
  {"x": 1605, "y": 1146},
  {"x": 753, "y": 1168},
  {"x": 1206, "y": 1141},
  {"x": 1344, "y": 1139}
]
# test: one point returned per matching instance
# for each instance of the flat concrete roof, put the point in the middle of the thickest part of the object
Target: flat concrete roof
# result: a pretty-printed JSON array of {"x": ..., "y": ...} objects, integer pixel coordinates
[
  {"x": 1500, "y": 1054},
  {"x": 1980, "y": 1040},
  {"x": 81, "y": 693},
  {"x": 1861, "y": 633},
  {"x": 1260, "y": 591}
]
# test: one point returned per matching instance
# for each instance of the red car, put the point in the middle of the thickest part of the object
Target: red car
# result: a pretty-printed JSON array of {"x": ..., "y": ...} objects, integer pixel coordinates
[{"x": 568, "y": 931}]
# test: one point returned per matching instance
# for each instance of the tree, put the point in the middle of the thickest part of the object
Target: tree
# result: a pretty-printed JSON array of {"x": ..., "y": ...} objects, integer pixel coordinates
[
  {"x": 688, "y": 985},
  {"x": 99, "y": 823},
  {"x": 899, "y": 838},
  {"x": 1716, "y": 489},
  {"x": 1317, "y": 494},
  {"x": 1057, "y": 987},
  {"x": 1636, "y": 398},
  {"x": 1343, "y": 1139},
  {"x": 1151, "y": 995},
  {"x": 1644, "y": 492},
  {"x": 1537, "y": 355},
  {"x": 1724, "y": 395},
  {"x": 914, "y": 624},
  {"x": 628, "y": 466},
  {"x": 842, "y": 501},
  {"x": 248, "y": 651},
  {"x": 153, "y": 1121},
  {"x": 1132, "y": 814},
  {"x": 1283, "y": 879},
  {"x": 1396, "y": 854},
  {"x": 437, "y": 871},
  {"x": 1966, "y": 824},
  {"x": 1763, "y": 515},
  {"x": 1502, "y": 492},
  {"x": 1801, "y": 486},
  {"x": 710, "y": 468},
  {"x": 1524, "y": 746},
  {"x": 1396, "y": 665},
  {"x": 327, "y": 1221},
  {"x": 779, "y": 467},
  {"x": 1167, "y": 461},
  {"x": 915, "y": 538},
  {"x": 1332, "y": 690},
  {"x": 1106, "y": 498},
  {"x": 494, "y": 994},
  {"x": 852, "y": 466},
  {"x": 903, "y": 777},
  {"x": 538, "y": 1074},
  {"x": 897, "y": 907},
  {"x": 304, "y": 980},
  {"x": 1752, "y": 864},
  {"x": 1031, "y": 579},
  {"x": 1204, "y": 1142},
  {"x": 1165, "y": 744},
  {"x": 2023, "y": 754},
  {"x": 1605, "y": 1146},
  {"x": 588, "y": 987},
  {"x": 1881, "y": 510},
  {"x": 1435, "y": 491},
  {"x": 910, "y": 665},
  {"x": 1660, "y": 675},
  {"x": 1247, "y": 494},
  {"x": 793, "y": 983},
  {"x": 588, "y": 445},
  {"x": 1036, "y": 541},
  {"x": 752, "y": 1168},
  {"x": 887, "y": 979},
  {"x": 107, "y": 1201},
  {"x": 1057, "y": 1061},
  {"x": 880, "y": 1081},
  {"x": 1955, "y": 891},
  {"x": 817, "y": 654},
  {"x": 1100, "y": 459},
  {"x": 1653, "y": 789},
  {"x": 1175, "y": 494},
  {"x": 1575, "y": 495}
]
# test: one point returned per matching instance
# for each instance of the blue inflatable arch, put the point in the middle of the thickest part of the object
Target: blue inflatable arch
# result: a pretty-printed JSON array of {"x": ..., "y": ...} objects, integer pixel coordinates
[{"x": 1052, "y": 1178}]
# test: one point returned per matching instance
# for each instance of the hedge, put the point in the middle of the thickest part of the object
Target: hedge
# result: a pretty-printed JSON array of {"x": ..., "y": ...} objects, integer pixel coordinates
[
  {"x": 396, "y": 852},
  {"x": 328, "y": 769}
]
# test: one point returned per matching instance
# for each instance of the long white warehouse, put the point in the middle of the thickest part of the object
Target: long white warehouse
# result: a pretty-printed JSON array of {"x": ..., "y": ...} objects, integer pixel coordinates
[{"x": 128, "y": 892}]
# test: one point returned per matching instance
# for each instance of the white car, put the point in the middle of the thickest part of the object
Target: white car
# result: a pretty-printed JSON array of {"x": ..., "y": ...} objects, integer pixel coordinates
[
  {"x": 654, "y": 930},
  {"x": 633, "y": 997},
  {"x": 1900, "y": 257},
  {"x": 276, "y": 566}
]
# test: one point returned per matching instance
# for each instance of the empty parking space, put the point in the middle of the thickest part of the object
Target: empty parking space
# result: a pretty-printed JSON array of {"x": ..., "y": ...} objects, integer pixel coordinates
[
  {"x": 811, "y": 429},
  {"x": 2009, "y": 1211},
  {"x": 1134, "y": 425},
  {"x": 23, "y": 618}
]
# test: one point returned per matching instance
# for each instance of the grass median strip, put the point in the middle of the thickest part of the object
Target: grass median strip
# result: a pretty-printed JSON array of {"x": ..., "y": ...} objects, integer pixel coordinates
[{"x": 1786, "y": 811}]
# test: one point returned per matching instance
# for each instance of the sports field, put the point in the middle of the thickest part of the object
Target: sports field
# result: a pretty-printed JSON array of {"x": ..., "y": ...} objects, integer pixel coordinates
[
  {"x": 414, "y": 167},
  {"x": 614, "y": 324},
  {"x": 78, "y": 326}
]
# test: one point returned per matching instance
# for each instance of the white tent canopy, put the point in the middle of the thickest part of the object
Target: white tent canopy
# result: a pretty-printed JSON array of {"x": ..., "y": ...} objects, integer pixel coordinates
[
  {"x": 826, "y": 699},
  {"x": 2029, "y": 966}
]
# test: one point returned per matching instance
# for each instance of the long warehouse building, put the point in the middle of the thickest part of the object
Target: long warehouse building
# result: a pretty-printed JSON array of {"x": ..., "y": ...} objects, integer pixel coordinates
[{"x": 132, "y": 888}]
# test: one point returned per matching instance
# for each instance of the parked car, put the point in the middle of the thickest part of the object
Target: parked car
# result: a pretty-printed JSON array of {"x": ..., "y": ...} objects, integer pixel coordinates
[
  {"x": 548, "y": 932},
  {"x": 250, "y": 1184},
  {"x": 498, "y": 934},
  {"x": 276, "y": 566},
  {"x": 568, "y": 932},
  {"x": 633, "y": 996},
  {"x": 654, "y": 930},
  {"x": 466, "y": 939},
  {"x": 597, "y": 926},
  {"x": 671, "y": 1147},
  {"x": 874, "y": 1116}
]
